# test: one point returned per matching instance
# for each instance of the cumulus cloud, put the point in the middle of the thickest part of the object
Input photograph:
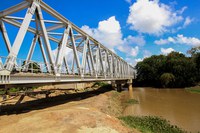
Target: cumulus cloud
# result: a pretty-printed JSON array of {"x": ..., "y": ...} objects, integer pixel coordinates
[
  {"x": 146, "y": 53},
  {"x": 152, "y": 17},
  {"x": 182, "y": 10},
  {"x": 128, "y": 1},
  {"x": 108, "y": 32},
  {"x": 188, "y": 21},
  {"x": 138, "y": 40},
  {"x": 68, "y": 52},
  {"x": 130, "y": 51},
  {"x": 179, "y": 39},
  {"x": 166, "y": 51},
  {"x": 133, "y": 62}
]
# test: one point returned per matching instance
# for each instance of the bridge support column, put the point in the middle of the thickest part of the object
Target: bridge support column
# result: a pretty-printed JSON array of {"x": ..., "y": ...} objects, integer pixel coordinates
[
  {"x": 130, "y": 81},
  {"x": 113, "y": 85},
  {"x": 119, "y": 87}
]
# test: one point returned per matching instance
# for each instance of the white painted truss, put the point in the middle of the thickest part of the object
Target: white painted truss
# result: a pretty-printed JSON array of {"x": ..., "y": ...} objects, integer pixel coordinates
[{"x": 90, "y": 59}]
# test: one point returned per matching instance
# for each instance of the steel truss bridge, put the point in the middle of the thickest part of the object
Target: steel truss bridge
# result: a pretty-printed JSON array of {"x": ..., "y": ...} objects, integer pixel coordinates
[{"x": 91, "y": 61}]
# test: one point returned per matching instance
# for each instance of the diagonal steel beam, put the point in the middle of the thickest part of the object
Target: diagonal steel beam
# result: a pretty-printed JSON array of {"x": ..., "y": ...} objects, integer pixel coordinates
[
  {"x": 44, "y": 55},
  {"x": 5, "y": 36},
  {"x": 46, "y": 38},
  {"x": 19, "y": 38},
  {"x": 66, "y": 64},
  {"x": 75, "y": 51},
  {"x": 61, "y": 48},
  {"x": 14, "y": 9},
  {"x": 30, "y": 53},
  {"x": 55, "y": 27}
]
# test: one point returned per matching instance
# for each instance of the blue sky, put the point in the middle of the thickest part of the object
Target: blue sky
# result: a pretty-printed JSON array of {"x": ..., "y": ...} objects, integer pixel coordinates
[{"x": 133, "y": 29}]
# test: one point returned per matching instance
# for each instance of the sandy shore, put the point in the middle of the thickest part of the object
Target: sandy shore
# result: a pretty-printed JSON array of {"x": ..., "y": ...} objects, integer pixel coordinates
[{"x": 90, "y": 112}]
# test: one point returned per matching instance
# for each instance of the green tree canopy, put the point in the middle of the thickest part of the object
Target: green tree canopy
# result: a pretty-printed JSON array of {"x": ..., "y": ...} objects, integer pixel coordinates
[{"x": 161, "y": 70}]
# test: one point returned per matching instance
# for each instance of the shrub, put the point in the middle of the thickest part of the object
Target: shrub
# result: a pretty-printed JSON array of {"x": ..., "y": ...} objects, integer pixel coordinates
[{"x": 167, "y": 79}]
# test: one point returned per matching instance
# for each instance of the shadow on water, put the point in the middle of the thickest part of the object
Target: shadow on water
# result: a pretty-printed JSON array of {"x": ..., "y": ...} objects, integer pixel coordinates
[{"x": 49, "y": 102}]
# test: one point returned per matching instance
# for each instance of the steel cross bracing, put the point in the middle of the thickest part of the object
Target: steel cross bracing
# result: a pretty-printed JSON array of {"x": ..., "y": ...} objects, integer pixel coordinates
[{"x": 91, "y": 60}]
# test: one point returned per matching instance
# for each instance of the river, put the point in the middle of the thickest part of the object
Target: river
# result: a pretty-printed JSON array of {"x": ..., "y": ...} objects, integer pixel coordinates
[{"x": 181, "y": 108}]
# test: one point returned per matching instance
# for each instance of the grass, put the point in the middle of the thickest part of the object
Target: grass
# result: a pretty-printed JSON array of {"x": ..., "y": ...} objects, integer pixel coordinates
[
  {"x": 131, "y": 101},
  {"x": 195, "y": 89},
  {"x": 150, "y": 124}
]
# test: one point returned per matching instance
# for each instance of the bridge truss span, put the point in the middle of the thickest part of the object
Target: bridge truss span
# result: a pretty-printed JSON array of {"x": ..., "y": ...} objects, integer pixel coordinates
[{"x": 76, "y": 56}]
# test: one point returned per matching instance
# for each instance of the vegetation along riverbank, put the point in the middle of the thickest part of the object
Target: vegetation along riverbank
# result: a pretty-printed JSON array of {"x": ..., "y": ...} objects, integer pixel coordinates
[{"x": 174, "y": 70}]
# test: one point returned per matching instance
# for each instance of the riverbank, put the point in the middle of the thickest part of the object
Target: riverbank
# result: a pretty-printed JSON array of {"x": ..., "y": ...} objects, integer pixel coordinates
[
  {"x": 195, "y": 89},
  {"x": 88, "y": 112},
  {"x": 101, "y": 110},
  {"x": 178, "y": 106}
]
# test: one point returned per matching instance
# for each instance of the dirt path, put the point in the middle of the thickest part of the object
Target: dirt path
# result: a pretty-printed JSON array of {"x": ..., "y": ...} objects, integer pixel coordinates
[{"x": 94, "y": 114}]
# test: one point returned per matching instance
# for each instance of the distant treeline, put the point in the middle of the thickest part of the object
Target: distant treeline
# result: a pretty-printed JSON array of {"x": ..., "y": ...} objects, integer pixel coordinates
[{"x": 174, "y": 70}]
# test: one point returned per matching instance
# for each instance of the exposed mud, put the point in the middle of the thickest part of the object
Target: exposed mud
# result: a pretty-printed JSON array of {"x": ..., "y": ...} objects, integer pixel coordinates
[{"x": 88, "y": 112}]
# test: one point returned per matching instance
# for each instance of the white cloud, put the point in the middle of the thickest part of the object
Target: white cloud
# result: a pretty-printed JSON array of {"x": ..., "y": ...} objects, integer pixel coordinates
[
  {"x": 152, "y": 17},
  {"x": 108, "y": 32},
  {"x": 129, "y": 1},
  {"x": 179, "y": 39},
  {"x": 130, "y": 51},
  {"x": 166, "y": 51},
  {"x": 182, "y": 10},
  {"x": 132, "y": 61},
  {"x": 138, "y": 40},
  {"x": 68, "y": 52},
  {"x": 139, "y": 59},
  {"x": 161, "y": 42},
  {"x": 146, "y": 53},
  {"x": 188, "y": 21}
]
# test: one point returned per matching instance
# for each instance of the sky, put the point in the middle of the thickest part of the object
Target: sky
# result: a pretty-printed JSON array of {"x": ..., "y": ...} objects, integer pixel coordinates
[{"x": 134, "y": 29}]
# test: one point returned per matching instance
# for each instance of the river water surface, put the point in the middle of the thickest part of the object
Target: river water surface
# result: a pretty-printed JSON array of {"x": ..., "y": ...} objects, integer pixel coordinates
[{"x": 181, "y": 108}]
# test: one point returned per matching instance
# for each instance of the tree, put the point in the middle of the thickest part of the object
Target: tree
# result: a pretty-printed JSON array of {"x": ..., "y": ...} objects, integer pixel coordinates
[
  {"x": 33, "y": 67},
  {"x": 185, "y": 70},
  {"x": 167, "y": 80},
  {"x": 195, "y": 55}
]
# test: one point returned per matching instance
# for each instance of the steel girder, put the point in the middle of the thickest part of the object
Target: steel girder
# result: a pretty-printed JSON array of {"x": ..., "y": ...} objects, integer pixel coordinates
[{"x": 89, "y": 57}]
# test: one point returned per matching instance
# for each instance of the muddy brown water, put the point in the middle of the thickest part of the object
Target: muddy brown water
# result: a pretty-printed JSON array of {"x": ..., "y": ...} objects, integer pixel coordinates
[{"x": 181, "y": 108}]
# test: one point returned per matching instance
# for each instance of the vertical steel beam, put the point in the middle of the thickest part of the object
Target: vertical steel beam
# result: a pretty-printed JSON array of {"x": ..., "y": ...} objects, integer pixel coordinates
[
  {"x": 89, "y": 65},
  {"x": 109, "y": 62},
  {"x": 106, "y": 63},
  {"x": 75, "y": 51},
  {"x": 61, "y": 48},
  {"x": 20, "y": 37},
  {"x": 72, "y": 65},
  {"x": 66, "y": 64},
  {"x": 97, "y": 61},
  {"x": 91, "y": 59},
  {"x": 84, "y": 56},
  {"x": 101, "y": 60},
  {"x": 45, "y": 38},
  {"x": 1, "y": 64},
  {"x": 112, "y": 64}
]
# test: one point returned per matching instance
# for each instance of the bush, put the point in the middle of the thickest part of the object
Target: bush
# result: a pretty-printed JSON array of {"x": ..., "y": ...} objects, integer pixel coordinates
[
  {"x": 150, "y": 124},
  {"x": 175, "y": 67},
  {"x": 167, "y": 79}
]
